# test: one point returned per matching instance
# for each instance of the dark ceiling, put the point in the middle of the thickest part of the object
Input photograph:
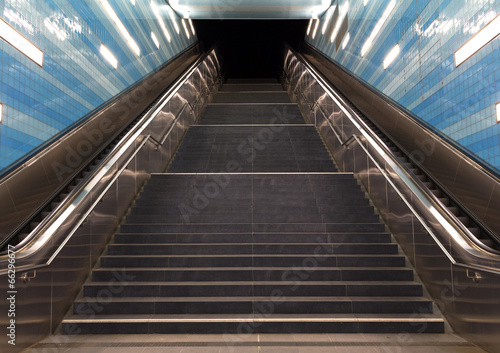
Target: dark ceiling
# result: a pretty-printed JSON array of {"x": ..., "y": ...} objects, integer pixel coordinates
[{"x": 252, "y": 48}]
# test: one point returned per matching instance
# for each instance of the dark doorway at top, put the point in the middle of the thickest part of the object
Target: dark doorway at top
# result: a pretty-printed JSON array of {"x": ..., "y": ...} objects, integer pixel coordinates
[{"x": 252, "y": 48}]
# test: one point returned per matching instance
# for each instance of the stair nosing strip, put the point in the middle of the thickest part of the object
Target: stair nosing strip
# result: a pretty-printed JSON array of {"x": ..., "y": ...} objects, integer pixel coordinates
[{"x": 247, "y": 319}]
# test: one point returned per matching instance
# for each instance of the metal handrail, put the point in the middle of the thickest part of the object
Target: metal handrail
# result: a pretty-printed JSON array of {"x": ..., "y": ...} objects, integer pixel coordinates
[
  {"x": 405, "y": 176},
  {"x": 42, "y": 234}
]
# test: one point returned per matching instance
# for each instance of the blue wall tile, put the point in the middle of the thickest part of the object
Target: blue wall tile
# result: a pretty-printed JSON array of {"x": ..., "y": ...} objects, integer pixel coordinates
[
  {"x": 39, "y": 102},
  {"x": 457, "y": 101}
]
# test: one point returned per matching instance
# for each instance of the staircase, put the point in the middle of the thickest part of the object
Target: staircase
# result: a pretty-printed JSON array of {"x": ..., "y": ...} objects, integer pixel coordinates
[{"x": 252, "y": 230}]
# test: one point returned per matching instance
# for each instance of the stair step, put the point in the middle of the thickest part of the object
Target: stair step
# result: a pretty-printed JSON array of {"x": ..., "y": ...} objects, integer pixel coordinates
[
  {"x": 250, "y": 248},
  {"x": 253, "y": 261},
  {"x": 189, "y": 217},
  {"x": 258, "y": 323},
  {"x": 257, "y": 288},
  {"x": 256, "y": 227},
  {"x": 252, "y": 273},
  {"x": 168, "y": 238},
  {"x": 249, "y": 305}
]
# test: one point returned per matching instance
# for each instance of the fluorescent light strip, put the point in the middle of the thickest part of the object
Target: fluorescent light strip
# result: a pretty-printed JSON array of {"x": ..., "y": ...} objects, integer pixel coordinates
[
  {"x": 393, "y": 54},
  {"x": 480, "y": 39},
  {"x": 346, "y": 40},
  {"x": 315, "y": 28},
  {"x": 14, "y": 38},
  {"x": 497, "y": 108},
  {"x": 133, "y": 2},
  {"x": 366, "y": 2},
  {"x": 174, "y": 20},
  {"x": 185, "y": 27},
  {"x": 192, "y": 26},
  {"x": 328, "y": 18},
  {"x": 310, "y": 25},
  {"x": 120, "y": 26},
  {"x": 156, "y": 11},
  {"x": 1, "y": 113},
  {"x": 155, "y": 40},
  {"x": 344, "y": 10},
  {"x": 378, "y": 27},
  {"x": 108, "y": 56}
]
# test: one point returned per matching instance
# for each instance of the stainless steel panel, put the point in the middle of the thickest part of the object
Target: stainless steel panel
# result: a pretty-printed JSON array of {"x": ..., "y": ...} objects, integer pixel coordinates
[{"x": 434, "y": 154}]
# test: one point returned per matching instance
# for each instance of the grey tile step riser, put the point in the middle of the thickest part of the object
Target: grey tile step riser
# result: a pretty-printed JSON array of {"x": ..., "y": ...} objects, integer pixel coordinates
[
  {"x": 250, "y": 87},
  {"x": 247, "y": 119},
  {"x": 255, "y": 275},
  {"x": 238, "y": 328},
  {"x": 159, "y": 249},
  {"x": 312, "y": 178},
  {"x": 216, "y": 168},
  {"x": 275, "y": 218},
  {"x": 242, "y": 209},
  {"x": 253, "y": 261},
  {"x": 229, "y": 183},
  {"x": 252, "y": 98},
  {"x": 228, "y": 205},
  {"x": 203, "y": 203},
  {"x": 259, "y": 228},
  {"x": 222, "y": 193},
  {"x": 249, "y": 238},
  {"x": 256, "y": 190},
  {"x": 302, "y": 289},
  {"x": 312, "y": 307}
]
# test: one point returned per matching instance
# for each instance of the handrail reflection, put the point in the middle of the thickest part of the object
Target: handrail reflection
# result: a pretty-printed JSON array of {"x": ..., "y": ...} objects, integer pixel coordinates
[{"x": 454, "y": 228}]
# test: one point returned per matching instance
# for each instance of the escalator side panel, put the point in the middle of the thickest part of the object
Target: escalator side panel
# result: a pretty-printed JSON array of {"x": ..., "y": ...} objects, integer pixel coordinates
[
  {"x": 44, "y": 298},
  {"x": 472, "y": 185},
  {"x": 466, "y": 296},
  {"x": 32, "y": 185}
]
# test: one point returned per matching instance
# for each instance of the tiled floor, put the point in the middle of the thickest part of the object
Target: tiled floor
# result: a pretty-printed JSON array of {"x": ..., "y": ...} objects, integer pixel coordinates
[{"x": 261, "y": 343}]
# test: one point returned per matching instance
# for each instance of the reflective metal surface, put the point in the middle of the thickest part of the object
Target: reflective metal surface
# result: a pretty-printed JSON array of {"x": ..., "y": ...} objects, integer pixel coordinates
[
  {"x": 62, "y": 250},
  {"x": 471, "y": 185},
  {"x": 457, "y": 271}
]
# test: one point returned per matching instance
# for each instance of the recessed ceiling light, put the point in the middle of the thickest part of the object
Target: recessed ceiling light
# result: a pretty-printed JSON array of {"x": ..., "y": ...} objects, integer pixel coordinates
[
  {"x": 112, "y": 14},
  {"x": 14, "y": 38},
  {"x": 174, "y": 20},
  {"x": 156, "y": 11},
  {"x": 343, "y": 14},
  {"x": 393, "y": 54},
  {"x": 329, "y": 14},
  {"x": 480, "y": 39},
  {"x": 192, "y": 26},
  {"x": 185, "y": 27},
  {"x": 378, "y": 27},
  {"x": 346, "y": 40},
  {"x": 315, "y": 28},
  {"x": 155, "y": 40},
  {"x": 310, "y": 25},
  {"x": 108, "y": 56}
]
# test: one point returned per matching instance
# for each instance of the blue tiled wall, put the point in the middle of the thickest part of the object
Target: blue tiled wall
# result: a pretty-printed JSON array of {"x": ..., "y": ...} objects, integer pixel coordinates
[
  {"x": 460, "y": 102},
  {"x": 39, "y": 102}
]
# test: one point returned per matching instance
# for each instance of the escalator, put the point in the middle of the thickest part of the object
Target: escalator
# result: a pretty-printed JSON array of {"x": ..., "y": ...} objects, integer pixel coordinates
[{"x": 252, "y": 229}]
